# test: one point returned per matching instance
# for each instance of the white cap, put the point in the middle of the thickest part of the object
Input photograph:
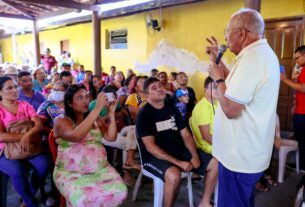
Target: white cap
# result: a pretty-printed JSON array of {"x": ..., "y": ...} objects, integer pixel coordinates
[{"x": 10, "y": 70}]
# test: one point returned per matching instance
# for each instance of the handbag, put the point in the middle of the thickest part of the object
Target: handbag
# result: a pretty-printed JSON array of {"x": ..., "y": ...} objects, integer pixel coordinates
[{"x": 12, "y": 150}]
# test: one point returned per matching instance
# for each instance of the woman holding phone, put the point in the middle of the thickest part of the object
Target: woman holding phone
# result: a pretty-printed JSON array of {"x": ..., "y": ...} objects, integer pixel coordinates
[{"x": 82, "y": 173}]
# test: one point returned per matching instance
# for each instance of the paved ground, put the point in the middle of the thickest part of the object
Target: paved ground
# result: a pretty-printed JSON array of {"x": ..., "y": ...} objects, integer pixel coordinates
[{"x": 281, "y": 196}]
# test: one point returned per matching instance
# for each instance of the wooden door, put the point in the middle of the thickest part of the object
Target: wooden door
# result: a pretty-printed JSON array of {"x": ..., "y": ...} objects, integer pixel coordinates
[
  {"x": 284, "y": 36},
  {"x": 64, "y": 46}
]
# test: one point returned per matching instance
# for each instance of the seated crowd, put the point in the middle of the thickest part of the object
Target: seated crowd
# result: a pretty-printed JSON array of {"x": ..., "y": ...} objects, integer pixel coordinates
[{"x": 173, "y": 130}]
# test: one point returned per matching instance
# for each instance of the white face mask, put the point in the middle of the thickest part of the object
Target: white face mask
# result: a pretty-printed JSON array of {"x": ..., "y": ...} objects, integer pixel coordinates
[{"x": 57, "y": 96}]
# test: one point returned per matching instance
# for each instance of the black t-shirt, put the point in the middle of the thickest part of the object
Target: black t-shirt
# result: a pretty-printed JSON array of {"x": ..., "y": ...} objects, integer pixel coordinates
[{"x": 165, "y": 125}]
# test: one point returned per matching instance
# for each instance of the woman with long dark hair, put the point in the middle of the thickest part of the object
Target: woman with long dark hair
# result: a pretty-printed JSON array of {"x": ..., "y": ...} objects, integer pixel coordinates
[
  {"x": 11, "y": 111},
  {"x": 94, "y": 86},
  {"x": 116, "y": 84},
  {"x": 129, "y": 88},
  {"x": 82, "y": 173}
]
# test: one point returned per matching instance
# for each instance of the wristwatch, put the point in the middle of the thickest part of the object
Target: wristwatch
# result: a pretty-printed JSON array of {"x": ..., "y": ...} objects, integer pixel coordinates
[{"x": 219, "y": 81}]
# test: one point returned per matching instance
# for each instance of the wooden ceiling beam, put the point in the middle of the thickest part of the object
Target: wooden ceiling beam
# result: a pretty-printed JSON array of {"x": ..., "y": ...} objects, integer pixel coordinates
[
  {"x": 63, "y": 3},
  {"x": 18, "y": 8},
  {"x": 14, "y": 16},
  {"x": 55, "y": 13},
  {"x": 39, "y": 6}
]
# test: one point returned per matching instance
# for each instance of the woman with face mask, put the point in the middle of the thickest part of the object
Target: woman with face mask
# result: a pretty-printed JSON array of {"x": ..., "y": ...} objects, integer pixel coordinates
[
  {"x": 54, "y": 106},
  {"x": 47, "y": 112}
]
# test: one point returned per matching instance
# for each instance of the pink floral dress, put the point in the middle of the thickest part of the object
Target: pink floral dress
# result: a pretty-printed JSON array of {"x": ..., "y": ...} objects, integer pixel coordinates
[{"x": 83, "y": 175}]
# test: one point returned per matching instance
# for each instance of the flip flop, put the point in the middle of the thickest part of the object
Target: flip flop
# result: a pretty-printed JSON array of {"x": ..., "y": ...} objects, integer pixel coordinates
[
  {"x": 270, "y": 181},
  {"x": 261, "y": 187},
  {"x": 132, "y": 167}
]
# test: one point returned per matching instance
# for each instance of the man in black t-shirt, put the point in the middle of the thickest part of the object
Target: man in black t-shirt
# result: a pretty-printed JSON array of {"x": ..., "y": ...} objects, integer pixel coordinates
[{"x": 166, "y": 145}]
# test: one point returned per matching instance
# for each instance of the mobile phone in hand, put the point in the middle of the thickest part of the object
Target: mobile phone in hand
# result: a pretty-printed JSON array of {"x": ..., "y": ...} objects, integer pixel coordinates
[{"x": 110, "y": 97}]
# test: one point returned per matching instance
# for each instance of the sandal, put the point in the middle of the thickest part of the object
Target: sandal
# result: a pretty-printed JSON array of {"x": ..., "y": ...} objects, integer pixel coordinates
[
  {"x": 261, "y": 187},
  {"x": 132, "y": 167},
  {"x": 270, "y": 181}
]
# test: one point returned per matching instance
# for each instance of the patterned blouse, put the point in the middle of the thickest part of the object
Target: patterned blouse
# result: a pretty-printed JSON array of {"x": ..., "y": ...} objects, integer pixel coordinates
[{"x": 49, "y": 111}]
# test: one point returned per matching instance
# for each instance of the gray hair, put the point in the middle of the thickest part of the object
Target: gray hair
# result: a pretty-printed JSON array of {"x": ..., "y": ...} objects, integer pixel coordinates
[{"x": 250, "y": 19}]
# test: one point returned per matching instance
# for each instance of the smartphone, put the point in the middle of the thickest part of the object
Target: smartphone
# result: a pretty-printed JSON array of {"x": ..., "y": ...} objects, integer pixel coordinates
[
  {"x": 282, "y": 69},
  {"x": 110, "y": 97}
]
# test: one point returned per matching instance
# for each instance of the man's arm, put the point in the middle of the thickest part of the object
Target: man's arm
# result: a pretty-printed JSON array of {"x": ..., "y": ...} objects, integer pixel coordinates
[
  {"x": 224, "y": 68},
  {"x": 231, "y": 108},
  {"x": 205, "y": 133},
  {"x": 190, "y": 145},
  {"x": 294, "y": 85},
  {"x": 156, "y": 151}
]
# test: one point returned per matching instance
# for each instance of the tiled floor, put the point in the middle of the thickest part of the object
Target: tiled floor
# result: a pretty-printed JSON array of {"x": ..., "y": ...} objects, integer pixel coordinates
[{"x": 280, "y": 196}]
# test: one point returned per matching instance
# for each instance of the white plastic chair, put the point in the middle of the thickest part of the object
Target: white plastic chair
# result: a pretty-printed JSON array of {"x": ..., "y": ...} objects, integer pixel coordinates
[
  {"x": 158, "y": 185},
  {"x": 286, "y": 147}
]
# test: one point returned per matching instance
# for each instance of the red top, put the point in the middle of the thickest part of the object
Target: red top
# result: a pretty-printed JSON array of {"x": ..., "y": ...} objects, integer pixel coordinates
[
  {"x": 48, "y": 62},
  {"x": 300, "y": 96}
]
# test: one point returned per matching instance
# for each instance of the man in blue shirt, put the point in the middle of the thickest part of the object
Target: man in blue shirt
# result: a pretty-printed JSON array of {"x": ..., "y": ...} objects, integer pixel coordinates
[
  {"x": 26, "y": 92},
  {"x": 81, "y": 73}
]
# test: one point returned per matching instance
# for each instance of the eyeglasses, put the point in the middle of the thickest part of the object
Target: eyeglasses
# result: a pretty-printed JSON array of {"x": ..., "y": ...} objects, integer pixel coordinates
[{"x": 229, "y": 30}]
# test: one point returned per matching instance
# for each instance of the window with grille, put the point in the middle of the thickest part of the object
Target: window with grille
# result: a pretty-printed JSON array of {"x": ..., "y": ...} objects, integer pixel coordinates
[{"x": 117, "y": 39}]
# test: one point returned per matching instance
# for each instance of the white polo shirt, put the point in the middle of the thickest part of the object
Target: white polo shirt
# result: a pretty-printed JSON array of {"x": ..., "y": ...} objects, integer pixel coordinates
[{"x": 244, "y": 144}]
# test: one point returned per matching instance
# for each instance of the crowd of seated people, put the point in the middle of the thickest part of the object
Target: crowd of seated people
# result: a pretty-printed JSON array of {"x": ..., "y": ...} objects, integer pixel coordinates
[{"x": 75, "y": 104}]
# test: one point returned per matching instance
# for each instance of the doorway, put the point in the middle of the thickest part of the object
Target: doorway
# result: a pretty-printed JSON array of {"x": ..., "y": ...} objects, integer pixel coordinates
[
  {"x": 284, "y": 35},
  {"x": 64, "y": 46}
]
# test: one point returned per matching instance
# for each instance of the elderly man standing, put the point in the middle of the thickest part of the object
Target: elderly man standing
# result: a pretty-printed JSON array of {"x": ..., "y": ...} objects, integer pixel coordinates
[{"x": 245, "y": 119}]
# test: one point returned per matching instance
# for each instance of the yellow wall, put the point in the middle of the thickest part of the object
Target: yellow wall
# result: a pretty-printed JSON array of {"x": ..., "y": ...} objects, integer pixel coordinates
[
  {"x": 24, "y": 47},
  {"x": 136, "y": 38},
  {"x": 188, "y": 26},
  {"x": 185, "y": 27},
  {"x": 80, "y": 42},
  {"x": 282, "y": 8},
  {"x": 6, "y": 48}
]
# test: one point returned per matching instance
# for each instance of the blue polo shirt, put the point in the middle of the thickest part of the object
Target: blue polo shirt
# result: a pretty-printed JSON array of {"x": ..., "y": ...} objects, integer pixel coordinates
[
  {"x": 35, "y": 100},
  {"x": 80, "y": 77}
]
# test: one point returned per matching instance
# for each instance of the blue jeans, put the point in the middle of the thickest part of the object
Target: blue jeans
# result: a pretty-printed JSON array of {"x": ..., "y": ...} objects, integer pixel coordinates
[
  {"x": 299, "y": 134},
  {"x": 16, "y": 170},
  {"x": 236, "y": 189}
]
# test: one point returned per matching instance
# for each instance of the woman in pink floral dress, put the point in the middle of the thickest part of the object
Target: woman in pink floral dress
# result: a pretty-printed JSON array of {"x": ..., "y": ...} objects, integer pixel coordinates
[{"x": 82, "y": 173}]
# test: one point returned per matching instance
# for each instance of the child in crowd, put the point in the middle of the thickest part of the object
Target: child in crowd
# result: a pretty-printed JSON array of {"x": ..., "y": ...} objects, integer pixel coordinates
[{"x": 183, "y": 97}]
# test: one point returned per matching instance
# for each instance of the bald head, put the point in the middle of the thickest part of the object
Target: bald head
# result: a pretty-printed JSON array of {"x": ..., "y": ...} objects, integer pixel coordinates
[{"x": 249, "y": 19}]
